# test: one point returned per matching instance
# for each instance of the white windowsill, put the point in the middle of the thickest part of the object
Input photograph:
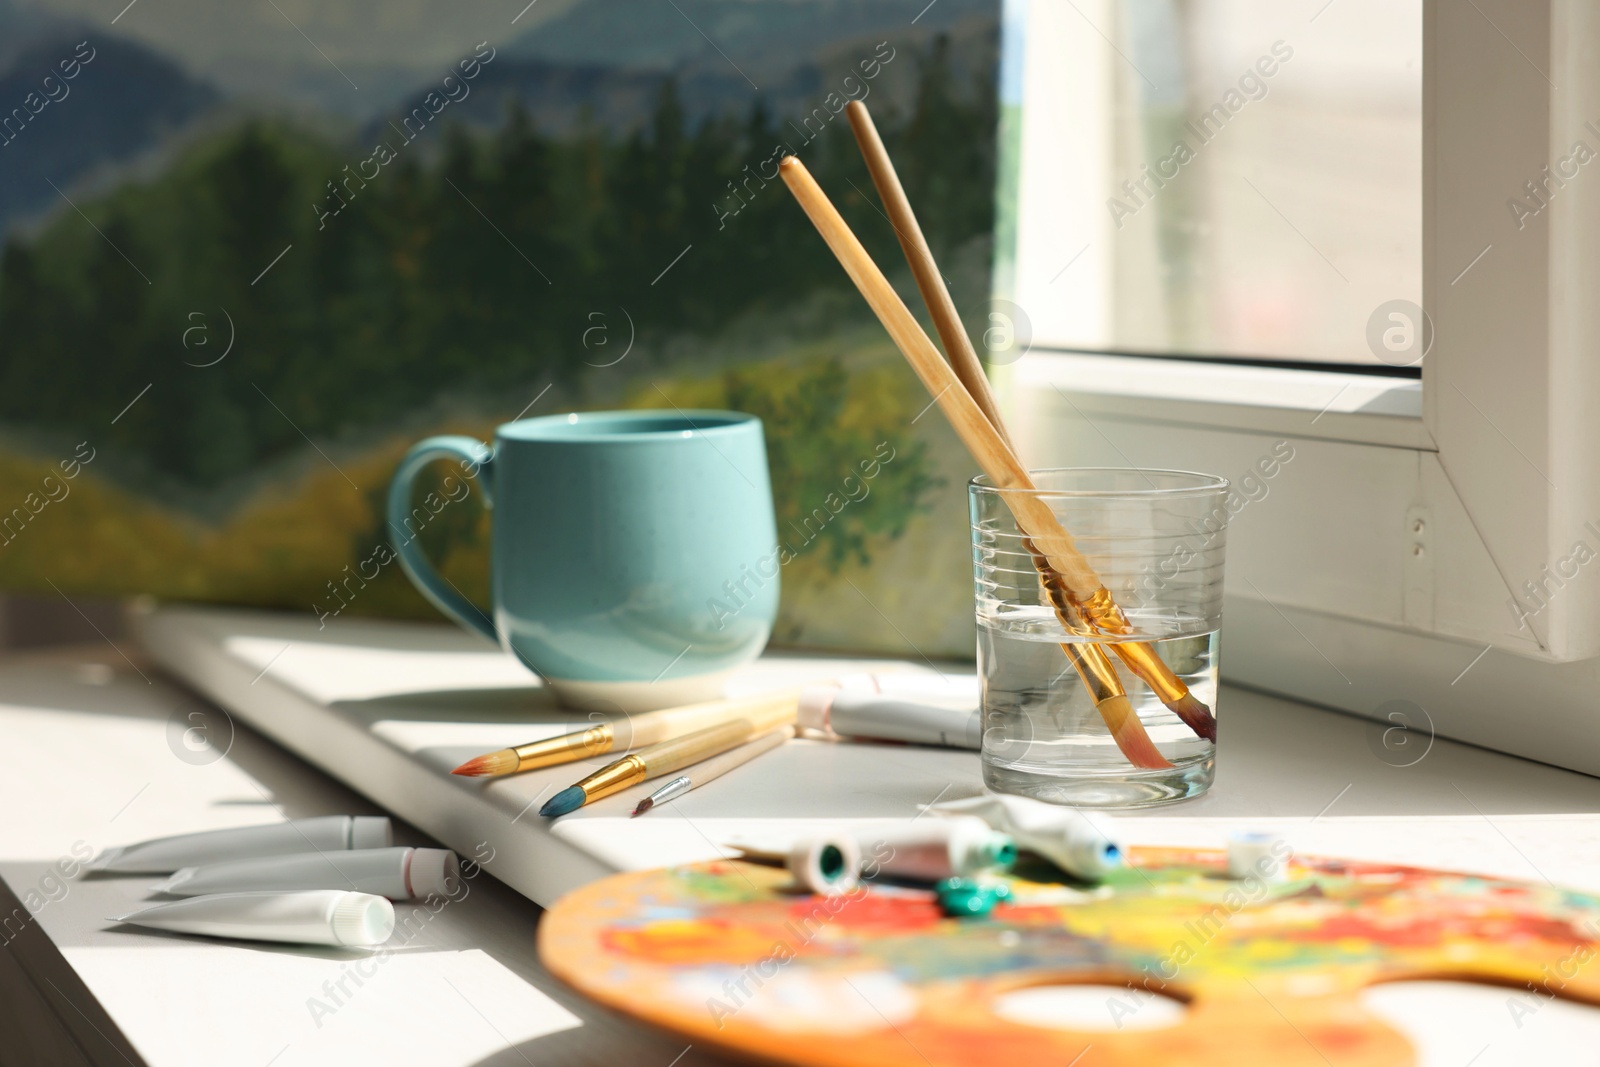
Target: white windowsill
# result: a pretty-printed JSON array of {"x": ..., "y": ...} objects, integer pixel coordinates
[{"x": 1360, "y": 408}]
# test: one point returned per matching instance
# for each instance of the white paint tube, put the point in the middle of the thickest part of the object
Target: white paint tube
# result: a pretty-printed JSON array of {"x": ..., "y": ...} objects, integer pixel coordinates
[
  {"x": 1257, "y": 853},
  {"x": 396, "y": 873},
  {"x": 928, "y": 850},
  {"x": 318, "y": 917},
  {"x": 328, "y": 833},
  {"x": 1082, "y": 844},
  {"x": 828, "y": 864},
  {"x": 890, "y": 716}
]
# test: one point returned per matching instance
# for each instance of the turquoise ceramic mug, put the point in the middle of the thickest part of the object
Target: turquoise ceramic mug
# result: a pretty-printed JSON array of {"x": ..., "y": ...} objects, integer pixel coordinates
[{"x": 631, "y": 549}]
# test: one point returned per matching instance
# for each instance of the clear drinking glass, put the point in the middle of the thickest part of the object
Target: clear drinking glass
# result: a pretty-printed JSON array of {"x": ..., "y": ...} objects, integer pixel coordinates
[{"x": 1156, "y": 539}]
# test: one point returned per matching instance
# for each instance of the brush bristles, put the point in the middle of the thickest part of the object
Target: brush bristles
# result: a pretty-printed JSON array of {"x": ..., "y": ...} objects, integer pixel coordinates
[
  {"x": 569, "y": 799},
  {"x": 503, "y": 762},
  {"x": 1196, "y": 715},
  {"x": 644, "y": 805},
  {"x": 1129, "y": 734}
]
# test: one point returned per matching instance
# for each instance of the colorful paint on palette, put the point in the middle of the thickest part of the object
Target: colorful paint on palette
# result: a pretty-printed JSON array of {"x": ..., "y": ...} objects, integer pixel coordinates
[{"x": 731, "y": 955}]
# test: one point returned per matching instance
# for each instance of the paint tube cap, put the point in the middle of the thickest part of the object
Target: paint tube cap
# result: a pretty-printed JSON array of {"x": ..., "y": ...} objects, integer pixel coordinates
[
  {"x": 1086, "y": 845},
  {"x": 370, "y": 831},
  {"x": 432, "y": 872},
  {"x": 175, "y": 881},
  {"x": 995, "y": 849},
  {"x": 1089, "y": 858},
  {"x": 828, "y": 865},
  {"x": 962, "y": 898},
  {"x": 816, "y": 702},
  {"x": 1257, "y": 854},
  {"x": 362, "y": 920}
]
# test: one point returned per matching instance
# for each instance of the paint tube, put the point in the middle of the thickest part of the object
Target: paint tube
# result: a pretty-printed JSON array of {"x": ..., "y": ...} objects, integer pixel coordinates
[
  {"x": 318, "y": 917},
  {"x": 827, "y": 865},
  {"x": 890, "y": 716},
  {"x": 930, "y": 850},
  {"x": 328, "y": 833},
  {"x": 1083, "y": 845},
  {"x": 396, "y": 873}
]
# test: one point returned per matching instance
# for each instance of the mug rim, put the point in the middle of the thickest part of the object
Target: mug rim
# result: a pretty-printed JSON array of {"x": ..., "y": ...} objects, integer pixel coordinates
[
  {"x": 1187, "y": 483},
  {"x": 615, "y": 426}
]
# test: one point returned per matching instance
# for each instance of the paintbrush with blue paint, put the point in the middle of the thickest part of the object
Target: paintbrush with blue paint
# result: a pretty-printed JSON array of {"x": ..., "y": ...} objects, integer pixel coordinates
[{"x": 656, "y": 760}]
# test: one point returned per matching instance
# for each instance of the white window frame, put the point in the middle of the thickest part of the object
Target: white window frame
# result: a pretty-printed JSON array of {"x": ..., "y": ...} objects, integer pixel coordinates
[{"x": 1406, "y": 523}]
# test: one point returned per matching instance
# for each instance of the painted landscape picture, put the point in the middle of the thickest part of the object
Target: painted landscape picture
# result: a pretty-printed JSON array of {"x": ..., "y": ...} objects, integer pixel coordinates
[{"x": 250, "y": 256}]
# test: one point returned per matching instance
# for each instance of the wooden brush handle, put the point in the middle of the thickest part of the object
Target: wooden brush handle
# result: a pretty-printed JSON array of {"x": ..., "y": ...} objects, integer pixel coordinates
[
  {"x": 693, "y": 747},
  {"x": 1034, "y": 517},
  {"x": 734, "y": 758},
  {"x": 682, "y": 751},
  {"x": 952, "y": 334},
  {"x": 1070, "y": 602},
  {"x": 654, "y": 727},
  {"x": 1068, "y": 582}
]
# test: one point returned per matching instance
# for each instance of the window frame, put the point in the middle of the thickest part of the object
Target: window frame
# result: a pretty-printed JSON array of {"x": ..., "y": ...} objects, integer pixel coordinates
[{"x": 1502, "y": 440}]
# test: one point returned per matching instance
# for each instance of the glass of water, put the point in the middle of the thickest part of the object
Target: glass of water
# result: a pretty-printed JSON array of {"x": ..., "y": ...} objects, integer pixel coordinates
[{"x": 1156, "y": 539}]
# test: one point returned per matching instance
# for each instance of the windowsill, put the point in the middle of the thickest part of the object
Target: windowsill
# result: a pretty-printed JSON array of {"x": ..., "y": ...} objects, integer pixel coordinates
[
  {"x": 1329, "y": 405},
  {"x": 1317, "y": 778}
]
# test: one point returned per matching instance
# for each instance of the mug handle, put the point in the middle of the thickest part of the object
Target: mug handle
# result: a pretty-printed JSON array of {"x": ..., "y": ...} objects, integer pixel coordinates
[{"x": 441, "y": 594}]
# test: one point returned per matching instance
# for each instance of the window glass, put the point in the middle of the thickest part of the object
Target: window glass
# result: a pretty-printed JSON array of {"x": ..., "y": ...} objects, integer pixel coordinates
[{"x": 1236, "y": 178}]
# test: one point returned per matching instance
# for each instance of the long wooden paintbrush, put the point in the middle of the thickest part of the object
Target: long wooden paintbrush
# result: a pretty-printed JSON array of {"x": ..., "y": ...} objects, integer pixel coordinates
[
  {"x": 1068, "y": 571},
  {"x": 656, "y": 760},
  {"x": 1138, "y": 656},
  {"x": 714, "y": 768},
  {"x": 627, "y": 732}
]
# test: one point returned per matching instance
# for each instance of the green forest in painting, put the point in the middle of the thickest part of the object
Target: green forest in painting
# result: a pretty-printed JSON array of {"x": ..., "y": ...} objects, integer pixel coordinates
[{"x": 484, "y": 270}]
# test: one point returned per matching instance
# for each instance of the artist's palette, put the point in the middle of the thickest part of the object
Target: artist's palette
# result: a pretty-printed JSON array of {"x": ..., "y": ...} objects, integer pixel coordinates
[{"x": 730, "y": 955}]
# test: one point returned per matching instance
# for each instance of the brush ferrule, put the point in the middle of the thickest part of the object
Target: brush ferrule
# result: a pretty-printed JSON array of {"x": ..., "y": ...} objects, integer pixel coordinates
[
  {"x": 1095, "y": 668},
  {"x": 1104, "y": 614},
  {"x": 1055, "y": 591},
  {"x": 675, "y": 788},
  {"x": 565, "y": 749},
  {"x": 613, "y": 778},
  {"x": 1143, "y": 661}
]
